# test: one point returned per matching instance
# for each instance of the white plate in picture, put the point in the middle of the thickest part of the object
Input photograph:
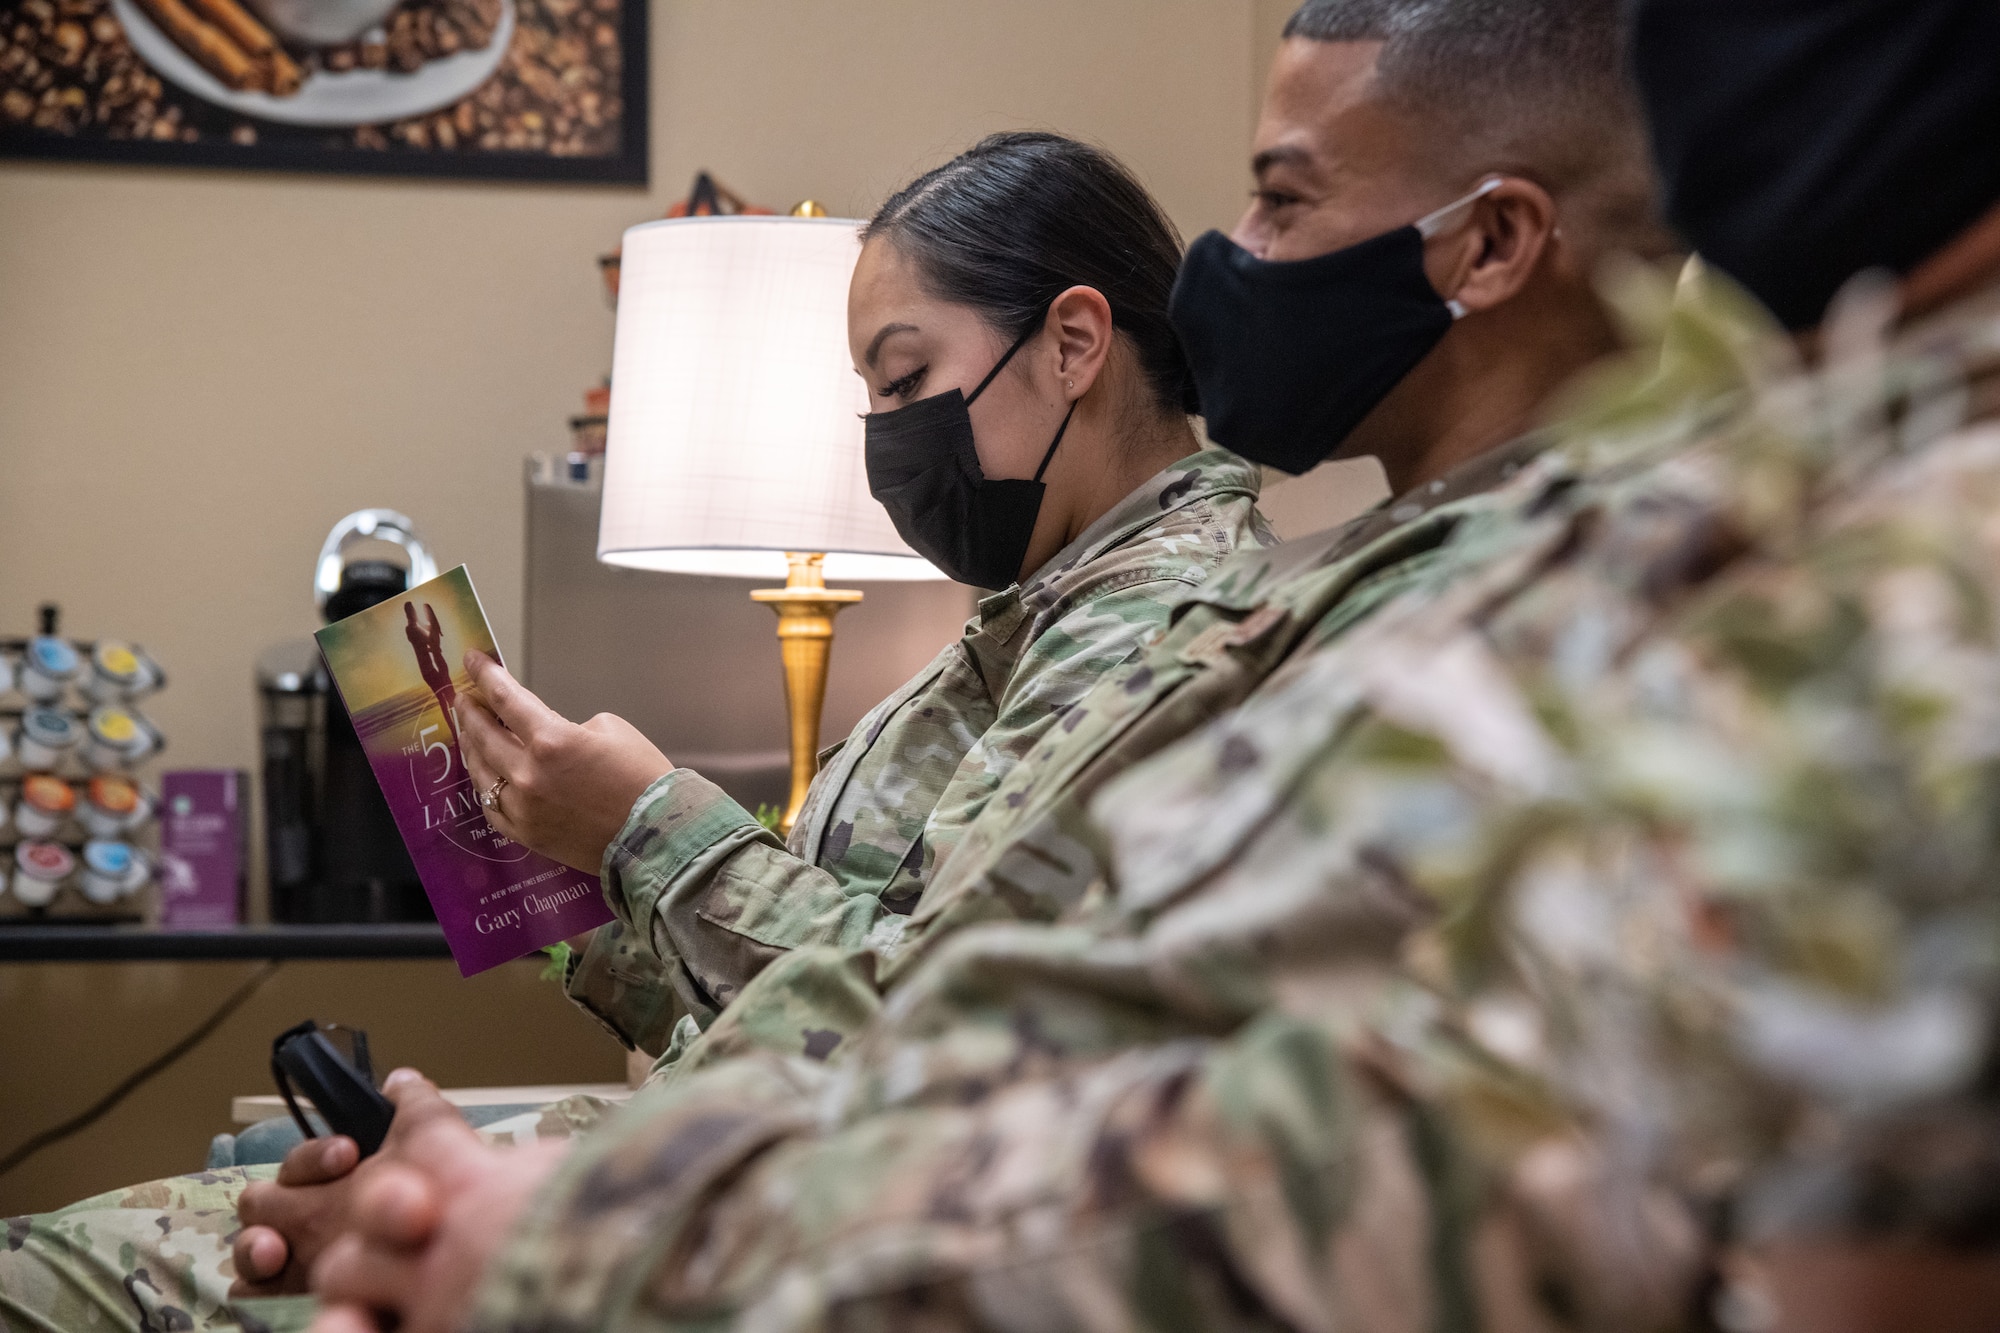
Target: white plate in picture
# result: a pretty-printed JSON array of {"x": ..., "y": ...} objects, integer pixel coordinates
[{"x": 327, "y": 100}]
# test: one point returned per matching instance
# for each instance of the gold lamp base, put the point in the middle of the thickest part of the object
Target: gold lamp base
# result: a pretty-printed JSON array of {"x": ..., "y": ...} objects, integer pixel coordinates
[{"x": 806, "y": 608}]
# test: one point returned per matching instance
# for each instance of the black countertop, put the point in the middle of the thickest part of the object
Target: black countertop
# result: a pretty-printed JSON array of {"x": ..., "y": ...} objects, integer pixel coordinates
[{"x": 22, "y": 943}]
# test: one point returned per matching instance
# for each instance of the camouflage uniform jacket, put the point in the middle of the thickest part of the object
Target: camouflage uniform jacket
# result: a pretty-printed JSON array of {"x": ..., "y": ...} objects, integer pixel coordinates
[
  {"x": 1024, "y": 858},
  {"x": 1360, "y": 1036},
  {"x": 706, "y": 897},
  {"x": 1697, "y": 773},
  {"x": 1032, "y": 858}
]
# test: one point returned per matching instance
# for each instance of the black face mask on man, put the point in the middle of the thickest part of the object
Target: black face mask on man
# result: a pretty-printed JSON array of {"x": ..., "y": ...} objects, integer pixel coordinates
[
  {"x": 1801, "y": 142},
  {"x": 1290, "y": 356},
  {"x": 923, "y": 468}
]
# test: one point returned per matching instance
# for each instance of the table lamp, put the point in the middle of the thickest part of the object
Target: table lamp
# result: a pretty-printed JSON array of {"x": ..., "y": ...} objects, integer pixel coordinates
[{"x": 735, "y": 441}]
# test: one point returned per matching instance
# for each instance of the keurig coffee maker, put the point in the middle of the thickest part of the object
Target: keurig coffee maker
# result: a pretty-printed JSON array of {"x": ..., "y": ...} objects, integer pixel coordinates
[{"x": 331, "y": 844}]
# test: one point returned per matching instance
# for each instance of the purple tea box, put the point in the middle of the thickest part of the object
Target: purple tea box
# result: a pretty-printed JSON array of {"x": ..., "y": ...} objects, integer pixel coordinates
[{"x": 202, "y": 837}]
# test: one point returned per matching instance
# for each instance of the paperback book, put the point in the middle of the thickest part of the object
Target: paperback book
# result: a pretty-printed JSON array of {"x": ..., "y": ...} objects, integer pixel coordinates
[{"x": 399, "y": 669}]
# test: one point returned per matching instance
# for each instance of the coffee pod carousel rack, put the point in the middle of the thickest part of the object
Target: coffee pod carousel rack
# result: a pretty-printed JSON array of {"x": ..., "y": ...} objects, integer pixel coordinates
[{"x": 79, "y": 831}]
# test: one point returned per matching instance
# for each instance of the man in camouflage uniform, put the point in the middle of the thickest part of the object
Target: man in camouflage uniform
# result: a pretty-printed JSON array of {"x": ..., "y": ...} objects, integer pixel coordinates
[{"x": 1378, "y": 111}]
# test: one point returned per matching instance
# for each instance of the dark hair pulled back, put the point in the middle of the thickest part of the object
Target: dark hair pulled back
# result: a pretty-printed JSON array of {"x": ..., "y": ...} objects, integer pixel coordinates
[{"x": 1019, "y": 218}]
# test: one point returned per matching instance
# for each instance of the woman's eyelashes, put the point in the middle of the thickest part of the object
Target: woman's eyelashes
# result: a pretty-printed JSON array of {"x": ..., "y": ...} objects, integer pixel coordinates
[{"x": 905, "y": 386}]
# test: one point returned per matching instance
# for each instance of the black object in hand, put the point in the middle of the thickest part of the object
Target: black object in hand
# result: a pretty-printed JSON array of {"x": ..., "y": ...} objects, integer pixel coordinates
[{"x": 341, "y": 1089}]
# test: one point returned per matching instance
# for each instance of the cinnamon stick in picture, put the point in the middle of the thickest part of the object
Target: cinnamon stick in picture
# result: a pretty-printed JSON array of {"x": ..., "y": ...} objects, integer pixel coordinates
[
  {"x": 216, "y": 53},
  {"x": 280, "y": 74}
]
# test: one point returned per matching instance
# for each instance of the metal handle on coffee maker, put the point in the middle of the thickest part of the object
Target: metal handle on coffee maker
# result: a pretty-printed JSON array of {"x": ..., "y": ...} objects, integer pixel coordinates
[{"x": 382, "y": 525}]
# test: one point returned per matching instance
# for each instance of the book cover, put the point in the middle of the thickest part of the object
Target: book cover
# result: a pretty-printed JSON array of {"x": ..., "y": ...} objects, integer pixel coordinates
[{"x": 399, "y": 669}]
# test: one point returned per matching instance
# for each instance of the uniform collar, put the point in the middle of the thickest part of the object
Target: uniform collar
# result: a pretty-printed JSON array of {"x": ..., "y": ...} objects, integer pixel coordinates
[
  {"x": 1248, "y": 579},
  {"x": 1475, "y": 476},
  {"x": 1190, "y": 480}
]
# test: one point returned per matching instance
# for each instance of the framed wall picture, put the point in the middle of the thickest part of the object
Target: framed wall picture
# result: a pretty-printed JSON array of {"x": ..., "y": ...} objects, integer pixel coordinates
[{"x": 502, "y": 89}]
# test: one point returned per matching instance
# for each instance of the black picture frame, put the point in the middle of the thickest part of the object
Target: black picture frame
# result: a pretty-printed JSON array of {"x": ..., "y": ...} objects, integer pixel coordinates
[{"x": 282, "y": 149}]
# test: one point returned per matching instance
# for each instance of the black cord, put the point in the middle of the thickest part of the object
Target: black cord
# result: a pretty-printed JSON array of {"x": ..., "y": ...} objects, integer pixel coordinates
[{"x": 105, "y": 1104}]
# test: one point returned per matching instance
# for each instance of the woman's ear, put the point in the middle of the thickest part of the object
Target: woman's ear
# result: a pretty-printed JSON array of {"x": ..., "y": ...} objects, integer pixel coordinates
[
  {"x": 1499, "y": 247},
  {"x": 1080, "y": 318}
]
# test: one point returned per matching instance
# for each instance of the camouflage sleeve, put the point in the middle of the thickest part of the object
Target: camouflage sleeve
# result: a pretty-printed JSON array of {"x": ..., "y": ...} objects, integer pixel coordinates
[
  {"x": 622, "y": 983},
  {"x": 1262, "y": 1183},
  {"x": 707, "y": 898}
]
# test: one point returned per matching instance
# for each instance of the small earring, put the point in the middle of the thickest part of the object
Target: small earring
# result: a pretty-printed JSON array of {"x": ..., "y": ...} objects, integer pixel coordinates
[{"x": 1070, "y": 383}]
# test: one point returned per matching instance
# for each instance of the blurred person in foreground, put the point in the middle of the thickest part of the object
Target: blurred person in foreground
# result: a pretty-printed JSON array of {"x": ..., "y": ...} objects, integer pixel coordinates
[{"x": 1608, "y": 938}]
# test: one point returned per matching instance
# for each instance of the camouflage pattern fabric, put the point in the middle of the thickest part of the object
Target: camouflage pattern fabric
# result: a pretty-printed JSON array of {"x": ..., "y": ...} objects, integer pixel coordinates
[
  {"x": 1026, "y": 856},
  {"x": 706, "y": 897},
  {"x": 107, "y": 1263},
  {"x": 1698, "y": 773},
  {"x": 155, "y": 1258},
  {"x": 1287, "y": 1068},
  {"x": 1032, "y": 859}
]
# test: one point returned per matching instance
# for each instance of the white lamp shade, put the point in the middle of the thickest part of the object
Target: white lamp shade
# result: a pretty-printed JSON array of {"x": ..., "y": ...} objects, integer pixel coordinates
[{"x": 735, "y": 431}]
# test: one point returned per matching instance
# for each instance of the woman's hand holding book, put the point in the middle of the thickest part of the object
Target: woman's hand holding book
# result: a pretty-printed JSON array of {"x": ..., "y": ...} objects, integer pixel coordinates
[{"x": 561, "y": 788}]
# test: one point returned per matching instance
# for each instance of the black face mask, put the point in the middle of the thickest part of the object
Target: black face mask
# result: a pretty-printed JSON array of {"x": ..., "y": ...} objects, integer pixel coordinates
[
  {"x": 1800, "y": 142},
  {"x": 1289, "y": 357},
  {"x": 924, "y": 470}
]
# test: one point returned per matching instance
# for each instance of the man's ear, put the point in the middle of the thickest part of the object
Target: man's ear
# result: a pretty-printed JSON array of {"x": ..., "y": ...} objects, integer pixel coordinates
[
  {"x": 1081, "y": 321},
  {"x": 1496, "y": 251}
]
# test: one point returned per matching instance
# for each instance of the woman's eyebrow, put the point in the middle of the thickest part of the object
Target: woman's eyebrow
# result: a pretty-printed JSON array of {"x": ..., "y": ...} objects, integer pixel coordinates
[{"x": 875, "y": 347}]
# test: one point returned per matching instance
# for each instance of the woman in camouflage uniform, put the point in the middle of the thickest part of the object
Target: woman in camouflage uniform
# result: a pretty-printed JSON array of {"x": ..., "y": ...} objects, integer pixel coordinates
[
  {"x": 1031, "y": 267},
  {"x": 1009, "y": 315}
]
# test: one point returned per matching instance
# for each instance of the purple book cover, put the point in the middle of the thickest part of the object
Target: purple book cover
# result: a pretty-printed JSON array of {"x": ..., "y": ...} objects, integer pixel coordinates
[{"x": 399, "y": 669}]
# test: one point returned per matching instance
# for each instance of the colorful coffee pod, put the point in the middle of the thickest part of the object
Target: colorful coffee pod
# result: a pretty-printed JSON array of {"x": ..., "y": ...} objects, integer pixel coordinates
[
  {"x": 47, "y": 734},
  {"x": 45, "y": 803},
  {"x": 49, "y": 667},
  {"x": 118, "y": 673},
  {"x": 112, "y": 805},
  {"x": 40, "y": 869},
  {"x": 116, "y": 737},
  {"x": 113, "y": 870}
]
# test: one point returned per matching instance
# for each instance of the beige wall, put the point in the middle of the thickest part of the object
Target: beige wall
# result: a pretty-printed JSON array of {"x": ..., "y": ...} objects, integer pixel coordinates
[{"x": 200, "y": 372}]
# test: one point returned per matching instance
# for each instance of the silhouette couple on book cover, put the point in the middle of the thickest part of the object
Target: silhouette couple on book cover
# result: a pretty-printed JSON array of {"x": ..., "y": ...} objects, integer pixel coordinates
[{"x": 428, "y": 644}]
